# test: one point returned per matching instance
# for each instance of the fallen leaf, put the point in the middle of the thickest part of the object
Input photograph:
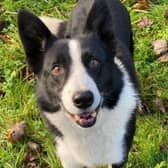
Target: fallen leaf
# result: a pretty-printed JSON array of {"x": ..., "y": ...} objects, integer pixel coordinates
[
  {"x": 32, "y": 165},
  {"x": 3, "y": 24},
  {"x": 4, "y": 37},
  {"x": 160, "y": 105},
  {"x": 160, "y": 46},
  {"x": 163, "y": 58},
  {"x": 135, "y": 149},
  {"x": 164, "y": 147},
  {"x": 145, "y": 22},
  {"x": 2, "y": 93},
  {"x": 141, "y": 5},
  {"x": 17, "y": 132},
  {"x": 165, "y": 121},
  {"x": 26, "y": 74},
  {"x": 33, "y": 146},
  {"x": 31, "y": 160},
  {"x": 2, "y": 79},
  {"x": 166, "y": 15},
  {"x": 29, "y": 157},
  {"x": 143, "y": 109},
  {"x": 159, "y": 93},
  {"x": 2, "y": 10}
]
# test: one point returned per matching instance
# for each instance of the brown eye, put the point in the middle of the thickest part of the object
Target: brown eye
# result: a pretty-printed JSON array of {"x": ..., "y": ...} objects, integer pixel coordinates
[
  {"x": 57, "y": 70},
  {"x": 94, "y": 63}
]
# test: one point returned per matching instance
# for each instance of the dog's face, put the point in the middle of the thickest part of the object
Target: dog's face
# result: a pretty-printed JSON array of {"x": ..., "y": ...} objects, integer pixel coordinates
[{"x": 73, "y": 74}]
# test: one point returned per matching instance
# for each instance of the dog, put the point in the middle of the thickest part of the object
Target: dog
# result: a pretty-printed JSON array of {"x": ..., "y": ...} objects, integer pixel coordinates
[{"x": 86, "y": 83}]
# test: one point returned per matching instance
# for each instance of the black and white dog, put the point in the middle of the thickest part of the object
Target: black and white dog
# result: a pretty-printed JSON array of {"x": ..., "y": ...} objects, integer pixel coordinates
[{"x": 86, "y": 82}]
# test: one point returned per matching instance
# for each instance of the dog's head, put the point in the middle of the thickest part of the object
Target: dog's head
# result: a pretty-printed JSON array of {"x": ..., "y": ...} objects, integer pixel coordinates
[{"x": 77, "y": 74}]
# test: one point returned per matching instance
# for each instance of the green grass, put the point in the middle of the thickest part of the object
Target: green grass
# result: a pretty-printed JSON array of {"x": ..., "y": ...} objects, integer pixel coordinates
[{"x": 19, "y": 100}]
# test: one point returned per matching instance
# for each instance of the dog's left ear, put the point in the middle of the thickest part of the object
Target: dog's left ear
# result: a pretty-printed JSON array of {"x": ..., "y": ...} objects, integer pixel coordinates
[
  {"x": 92, "y": 16},
  {"x": 99, "y": 21},
  {"x": 34, "y": 35}
]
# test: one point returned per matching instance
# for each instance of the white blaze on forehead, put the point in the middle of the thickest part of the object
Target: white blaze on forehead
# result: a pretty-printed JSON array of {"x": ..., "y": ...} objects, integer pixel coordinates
[{"x": 78, "y": 80}]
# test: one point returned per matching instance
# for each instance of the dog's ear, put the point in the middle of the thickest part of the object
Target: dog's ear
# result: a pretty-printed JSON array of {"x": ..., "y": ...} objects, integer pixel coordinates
[
  {"x": 34, "y": 35},
  {"x": 92, "y": 16},
  {"x": 99, "y": 21},
  {"x": 78, "y": 19}
]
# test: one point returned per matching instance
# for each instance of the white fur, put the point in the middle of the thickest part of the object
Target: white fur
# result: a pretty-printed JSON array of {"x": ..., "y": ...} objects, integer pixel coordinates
[
  {"x": 102, "y": 143},
  {"x": 78, "y": 81},
  {"x": 51, "y": 23}
]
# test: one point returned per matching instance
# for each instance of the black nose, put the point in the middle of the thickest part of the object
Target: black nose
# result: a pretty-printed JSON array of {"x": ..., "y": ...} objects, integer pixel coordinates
[{"x": 83, "y": 100}]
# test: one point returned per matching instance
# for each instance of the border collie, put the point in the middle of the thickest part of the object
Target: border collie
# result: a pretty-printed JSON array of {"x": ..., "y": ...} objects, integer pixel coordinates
[{"x": 86, "y": 83}]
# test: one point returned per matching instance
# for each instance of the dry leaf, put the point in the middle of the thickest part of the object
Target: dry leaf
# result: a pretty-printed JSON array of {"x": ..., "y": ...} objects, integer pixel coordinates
[
  {"x": 164, "y": 147},
  {"x": 31, "y": 160},
  {"x": 161, "y": 49},
  {"x": 145, "y": 22},
  {"x": 141, "y": 5},
  {"x": 163, "y": 58},
  {"x": 160, "y": 105},
  {"x": 165, "y": 122},
  {"x": 2, "y": 9},
  {"x": 2, "y": 93},
  {"x": 3, "y": 24},
  {"x": 135, "y": 149},
  {"x": 2, "y": 79},
  {"x": 30, "y": 157},
  {"x": 4, "y": 37},
  {"x": 17, "y": 132},
  {"x": 32, "y": 165},
  {"x": 159, "y": 93},
  {"x": 160, "y": 46},
  {"x": 33, "y": 146},
  {"x": 25, "y": 73},
  {"x": 143, "y": 109},
  {"x": 166, "y": 15}
]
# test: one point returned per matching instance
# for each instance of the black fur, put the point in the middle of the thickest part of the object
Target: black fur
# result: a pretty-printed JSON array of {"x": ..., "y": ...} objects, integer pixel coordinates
[
  {"x": 107, "y": 18},
  {"x": 33, "y": 34},
  {"x": 103, "y": 29},
  {"x": 108, "y": 77}
]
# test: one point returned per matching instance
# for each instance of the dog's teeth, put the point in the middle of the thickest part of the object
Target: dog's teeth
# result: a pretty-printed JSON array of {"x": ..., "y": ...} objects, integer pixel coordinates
[
  {"x": 94, "y": 114},
  {"x": 90, "y": 119}
]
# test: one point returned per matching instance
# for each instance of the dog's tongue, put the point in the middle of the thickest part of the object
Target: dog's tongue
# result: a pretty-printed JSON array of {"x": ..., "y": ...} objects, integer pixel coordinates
[
  {"x": 85, "y": 115},
  {"x": 85, "y": 119}
]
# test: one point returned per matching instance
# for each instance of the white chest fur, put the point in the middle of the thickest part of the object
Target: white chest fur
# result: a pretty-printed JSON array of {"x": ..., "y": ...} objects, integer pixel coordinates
[{"x": 103, "y": 143}]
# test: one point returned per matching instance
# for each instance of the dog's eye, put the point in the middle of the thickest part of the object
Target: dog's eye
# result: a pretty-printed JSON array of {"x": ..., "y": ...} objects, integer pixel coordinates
[
  {"x": 57, "y": 70},
  {"x": 94, "y": 63}
]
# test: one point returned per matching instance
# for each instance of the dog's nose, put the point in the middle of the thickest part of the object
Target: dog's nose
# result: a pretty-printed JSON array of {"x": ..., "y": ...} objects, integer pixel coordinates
[{"x": 83, "y": 100}]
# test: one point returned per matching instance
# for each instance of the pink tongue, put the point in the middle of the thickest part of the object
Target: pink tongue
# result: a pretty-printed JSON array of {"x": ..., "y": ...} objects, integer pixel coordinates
[{"x": 85, "y": 115}]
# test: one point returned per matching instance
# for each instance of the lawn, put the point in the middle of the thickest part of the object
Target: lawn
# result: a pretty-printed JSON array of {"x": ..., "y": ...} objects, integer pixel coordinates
[{"x": 17, "y": 99}]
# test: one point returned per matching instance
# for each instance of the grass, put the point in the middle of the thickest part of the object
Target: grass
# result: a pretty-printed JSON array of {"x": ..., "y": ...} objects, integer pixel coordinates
[{"x": 19, "y": 100}]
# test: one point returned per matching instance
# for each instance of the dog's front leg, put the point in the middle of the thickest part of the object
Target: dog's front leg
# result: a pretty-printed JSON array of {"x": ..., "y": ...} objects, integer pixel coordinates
[
  {"x": 66, "y": 157},
  {"x": 69, "y": 162}
]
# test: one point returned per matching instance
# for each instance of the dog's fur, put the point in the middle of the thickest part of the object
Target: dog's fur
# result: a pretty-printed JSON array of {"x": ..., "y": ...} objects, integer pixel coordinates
[{"x": 93, "y": 52}]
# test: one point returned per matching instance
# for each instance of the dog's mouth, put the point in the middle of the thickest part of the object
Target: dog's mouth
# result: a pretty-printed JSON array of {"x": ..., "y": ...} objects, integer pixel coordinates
[{"x": 85, "y": 119}]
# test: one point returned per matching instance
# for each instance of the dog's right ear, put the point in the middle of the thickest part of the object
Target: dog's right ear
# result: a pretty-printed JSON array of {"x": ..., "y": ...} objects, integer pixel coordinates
[{"x": 34, "y": 35}]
